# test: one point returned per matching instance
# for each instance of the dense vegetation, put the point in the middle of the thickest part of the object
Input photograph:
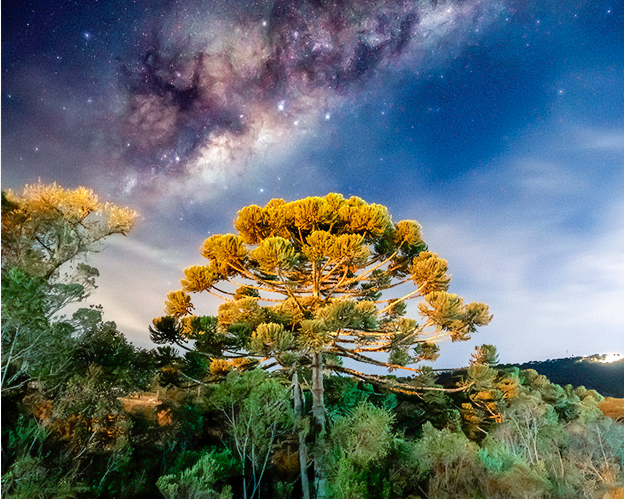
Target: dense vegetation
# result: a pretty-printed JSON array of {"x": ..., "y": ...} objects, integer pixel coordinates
[
  {"x": 86, "y": 414},
  {"x": 605, "y": 378}
]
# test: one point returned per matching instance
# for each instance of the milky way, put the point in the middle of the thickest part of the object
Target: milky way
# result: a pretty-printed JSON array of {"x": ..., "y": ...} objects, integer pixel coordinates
[
  {"x": 497, "y": 124},
  {"x": 207, "y": 85}
]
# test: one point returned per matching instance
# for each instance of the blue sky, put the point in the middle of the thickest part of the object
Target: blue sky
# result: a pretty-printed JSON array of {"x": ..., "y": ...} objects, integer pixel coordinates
[{"x": 498, "y": 125}]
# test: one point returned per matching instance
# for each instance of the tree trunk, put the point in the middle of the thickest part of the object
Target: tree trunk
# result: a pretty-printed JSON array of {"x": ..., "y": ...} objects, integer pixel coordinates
[
  {"x": 303, "y": 448},
  {"x": 318, "y": 414}
]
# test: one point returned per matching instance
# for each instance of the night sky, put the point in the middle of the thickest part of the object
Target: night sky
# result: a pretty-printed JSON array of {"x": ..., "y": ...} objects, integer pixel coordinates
[{"x": 497, "y": 124}]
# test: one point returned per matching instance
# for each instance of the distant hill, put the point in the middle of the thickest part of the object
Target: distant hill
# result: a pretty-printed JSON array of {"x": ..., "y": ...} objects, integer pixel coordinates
[{"x": 607, "y": 378}]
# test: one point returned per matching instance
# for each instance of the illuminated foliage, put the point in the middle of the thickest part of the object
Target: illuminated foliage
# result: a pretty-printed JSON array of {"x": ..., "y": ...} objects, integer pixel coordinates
[
  {"x": 303, "y": 283},
  {"x": 318, "y": 268},
  {"x": 46, "y": 226}
]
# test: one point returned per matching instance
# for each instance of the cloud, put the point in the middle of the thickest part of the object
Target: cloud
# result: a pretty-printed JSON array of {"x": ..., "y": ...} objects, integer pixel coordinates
[
  {"x": 601, "y": 140},
  {"x": 135, "y": 277},
  {"x": 557, "y": 294}
]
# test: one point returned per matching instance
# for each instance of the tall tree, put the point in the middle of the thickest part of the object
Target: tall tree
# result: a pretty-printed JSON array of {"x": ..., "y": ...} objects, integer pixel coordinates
[
  {"x": 46, "y": 232},
  {"x": 302, "y": 284},
  {"x": 46, "y": 226}
]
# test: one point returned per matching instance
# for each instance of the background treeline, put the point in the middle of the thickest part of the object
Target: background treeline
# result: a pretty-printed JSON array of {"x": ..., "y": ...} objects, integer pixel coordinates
[
  {"x": 85, "y": 414},
  {"x": 511, "y": 434},
  {"x": 605, "y": 378}
]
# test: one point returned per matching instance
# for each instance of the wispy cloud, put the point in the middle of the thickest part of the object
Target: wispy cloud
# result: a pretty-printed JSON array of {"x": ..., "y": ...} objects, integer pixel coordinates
[{"x": 601, "y": 140}]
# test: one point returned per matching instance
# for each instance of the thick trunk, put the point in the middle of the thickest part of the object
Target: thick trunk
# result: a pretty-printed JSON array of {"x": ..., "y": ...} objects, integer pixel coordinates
[
  {"x": 318, "y": 414},
  {"x": 303, "y": 448}
]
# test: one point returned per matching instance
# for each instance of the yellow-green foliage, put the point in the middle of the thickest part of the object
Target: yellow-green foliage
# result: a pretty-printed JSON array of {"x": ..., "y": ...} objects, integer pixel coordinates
[
  {"x": 448, "y": 312},
  {"x": 243, "y": 310},
  {"x": 318, "y": 268},
  {"x": 198, "y": 278},
  {"x": 312, "y": 214},
  {"x": 178, "y": 304},
  {"x": 46, "y": 226},
  {"x": 251, "y": 224},
  {"x": 225, "y": 252},
  {"x": 407, "y": 234},
  {"x": 365, "y": 435},
  {"x": 350, "y": 249},
  {"x": 347, "y": 314},
  {"x": 370, "y": 221},
  {"x": 428, "y": 272},
  {"x": 274, "y": 254},
  {"x": 313, "y": 335},
  {"x": 271, "y": 337},
  {"x": 320, "y": 246}
]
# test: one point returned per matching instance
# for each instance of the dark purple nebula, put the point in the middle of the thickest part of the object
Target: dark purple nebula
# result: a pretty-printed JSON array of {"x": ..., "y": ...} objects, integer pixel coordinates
[{"x": 223, "y": 77}]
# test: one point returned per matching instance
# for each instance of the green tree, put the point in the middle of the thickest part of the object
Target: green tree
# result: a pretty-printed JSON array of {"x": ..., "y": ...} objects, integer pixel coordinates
[
  {"x": 360, "y": 440},
  {"x": 450, "y": 460},
  {"x": 46, "y": 232},
  {"x": 302, "y": 285},
  {"x": 200, "y": 480},
  {"x": 80, "y": 365},
  {"x": 257, "y": 410},
  {"x": 485, "y": 397},
  {"x": 594, "y": 455},
  {"x": 46, "y": 226}
]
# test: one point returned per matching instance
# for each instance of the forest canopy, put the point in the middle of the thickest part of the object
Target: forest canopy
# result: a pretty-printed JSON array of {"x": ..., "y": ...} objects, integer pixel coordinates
[
  {"x": 304, "y": 288},
  {"x": 273, "y": 396}
]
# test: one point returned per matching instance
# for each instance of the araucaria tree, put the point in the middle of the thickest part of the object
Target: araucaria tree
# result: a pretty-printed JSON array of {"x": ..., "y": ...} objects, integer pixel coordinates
[{"x": 303, "y": 287}]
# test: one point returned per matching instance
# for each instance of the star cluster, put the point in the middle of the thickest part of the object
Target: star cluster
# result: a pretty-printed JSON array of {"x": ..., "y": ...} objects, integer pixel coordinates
[
  {"x": 497, "y": 124},
  {"x": 204, "y": 87}
]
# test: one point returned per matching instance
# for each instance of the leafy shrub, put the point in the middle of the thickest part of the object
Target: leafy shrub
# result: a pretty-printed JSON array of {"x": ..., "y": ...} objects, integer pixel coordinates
[{"x": 202, "y": 480}]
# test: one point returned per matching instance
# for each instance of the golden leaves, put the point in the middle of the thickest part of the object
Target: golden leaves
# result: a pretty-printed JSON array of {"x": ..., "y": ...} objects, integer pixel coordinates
[
  {"x": 271, "y": 337},
  {"x": 221, "y": 367},
  {"x": 428, "y": 271},
  {"x": 370, "y": 221},
  {"x": 319, "y": 246},
  {"x": 53, "y": 200},
  {"x": 245, "y": 310},
  {"x": 346, "y": 248},
  {"x": 313, "y": 335},
  {"x": 326, "y": 261},
  {"x": 313, "y": 213},
  {"x": 251, "y": 224},
  {"x": 407, "y": 233},
  {"x": 46, "y": 226},
  {"x": 274, "y": 254},
  {"x": 178, "y": 304},
  {"x": 120, "y": 220},
  {"x": 198, "y": 278},
  {"x": 76, "y": 203},
  {"x": 478, "y": 314},
  {"x": 255, "y": 223},
  {"x": 351, "y": 249},
  {"x": 444, "y": 309},
  {"x": 301, "y": 218},
  {"x": 448, "y": 312},
  {"x": 226, "y": 253}
]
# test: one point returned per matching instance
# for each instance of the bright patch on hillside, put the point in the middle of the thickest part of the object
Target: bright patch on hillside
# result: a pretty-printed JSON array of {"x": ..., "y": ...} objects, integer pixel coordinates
[{"x": 611, "y": 357}]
